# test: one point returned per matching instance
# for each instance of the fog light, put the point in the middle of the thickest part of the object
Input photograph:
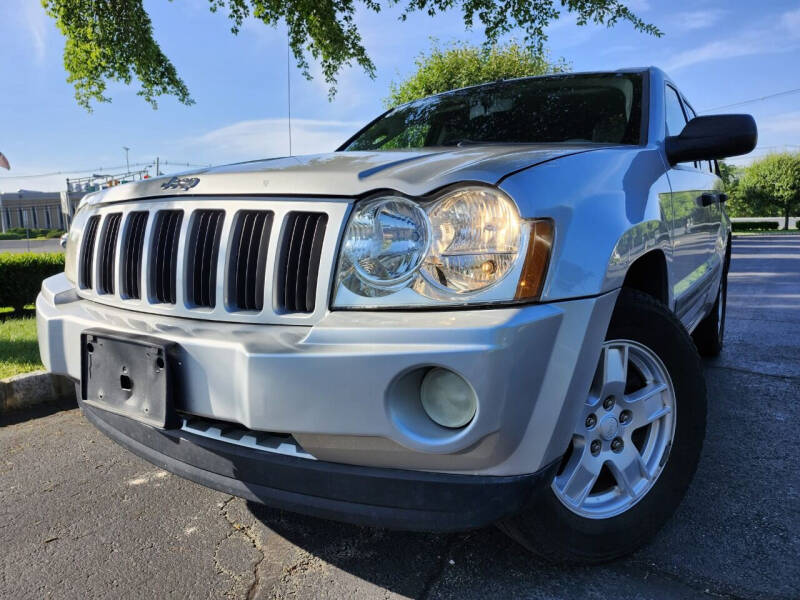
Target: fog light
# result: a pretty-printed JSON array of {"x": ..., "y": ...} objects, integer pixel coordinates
[{"x": 447, "y": 398}]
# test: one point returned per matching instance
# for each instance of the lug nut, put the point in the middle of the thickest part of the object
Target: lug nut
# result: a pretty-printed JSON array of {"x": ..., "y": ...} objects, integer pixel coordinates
[
  {"x": 617, "y": 445},
  {"x": 625, "y": 417},
  {"x": 591, "y": 421},
  {"x": 595, "y": 447},
  {"x": 608, "y": 403}
]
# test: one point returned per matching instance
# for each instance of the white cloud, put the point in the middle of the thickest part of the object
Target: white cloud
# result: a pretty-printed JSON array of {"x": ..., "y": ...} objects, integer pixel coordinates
[
  {"x": 270, "y": 137},
  {"x": 755, "y": 41},
  {"x": 717, "y": 50},
  {"x": 36, "y": 21},
  {"x": 791, "y": 20},
  {"x": 697, "y": 19},
  {"x": 785, "y": 123},
  {"x": 243, "y": 140},
  {"x": 638, "y": 5}
]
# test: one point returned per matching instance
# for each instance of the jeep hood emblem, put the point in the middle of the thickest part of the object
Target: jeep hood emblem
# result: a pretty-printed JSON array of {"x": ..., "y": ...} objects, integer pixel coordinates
[{"x": 182, "y": 183}]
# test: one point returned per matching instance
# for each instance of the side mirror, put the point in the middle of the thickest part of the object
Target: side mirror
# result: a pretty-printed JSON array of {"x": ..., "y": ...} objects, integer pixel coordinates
[{"x": 712, "y": 137}]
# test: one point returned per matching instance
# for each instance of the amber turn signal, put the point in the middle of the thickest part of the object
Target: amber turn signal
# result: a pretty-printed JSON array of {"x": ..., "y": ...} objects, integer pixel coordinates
[{"x": 537, "y": 258}]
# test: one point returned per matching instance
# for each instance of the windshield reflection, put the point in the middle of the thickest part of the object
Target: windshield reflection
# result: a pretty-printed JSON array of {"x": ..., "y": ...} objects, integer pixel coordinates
[{"x": 595, "y": 108}]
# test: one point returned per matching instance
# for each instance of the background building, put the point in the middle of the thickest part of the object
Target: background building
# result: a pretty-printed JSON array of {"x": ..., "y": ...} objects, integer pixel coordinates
[
  {"x": 54, "y": 210},
  {"x": 37, "y": 210}
]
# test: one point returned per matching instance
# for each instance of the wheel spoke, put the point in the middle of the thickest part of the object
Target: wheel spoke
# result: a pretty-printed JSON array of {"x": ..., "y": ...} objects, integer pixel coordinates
[
  {"x": 579, "y": 476},
  {"x": 614, "y": 371},
  {"x": 647, "y": 404},
  {"x": 628, "y": 468}
]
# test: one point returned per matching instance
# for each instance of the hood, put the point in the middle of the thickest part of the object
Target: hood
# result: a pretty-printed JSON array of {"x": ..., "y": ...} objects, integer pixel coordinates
[{"x": 351, "y": 174}]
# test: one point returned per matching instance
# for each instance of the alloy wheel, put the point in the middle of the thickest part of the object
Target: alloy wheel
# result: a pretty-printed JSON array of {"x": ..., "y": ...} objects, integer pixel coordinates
[{"x": 623, "y": 435}]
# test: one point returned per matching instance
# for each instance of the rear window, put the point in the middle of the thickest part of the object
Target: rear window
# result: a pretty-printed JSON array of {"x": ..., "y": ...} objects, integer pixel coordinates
[{"x": 596, "y": 108}]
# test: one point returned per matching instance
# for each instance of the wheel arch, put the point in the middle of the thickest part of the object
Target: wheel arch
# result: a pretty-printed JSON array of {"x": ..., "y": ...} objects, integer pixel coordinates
[{"x": 648, "y": 273}]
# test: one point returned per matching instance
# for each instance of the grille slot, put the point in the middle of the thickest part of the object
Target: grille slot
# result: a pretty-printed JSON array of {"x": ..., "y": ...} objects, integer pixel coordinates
[
  {"x": 132, "y": 255},
  {"x": 87, "y": 252},
  {"x": 108, "y": 253},
  {"x": 248, "y": 260},
  {"x": 164, "y": 255},
  {"x": 299, "y": 263},
  {"x": 201, "y": 267}
]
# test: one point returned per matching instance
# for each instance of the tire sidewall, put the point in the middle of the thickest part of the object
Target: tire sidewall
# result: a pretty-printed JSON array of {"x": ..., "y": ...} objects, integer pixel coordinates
[
  {"x": 723, "y": 298},
  {"x": 649, "y": 324}
]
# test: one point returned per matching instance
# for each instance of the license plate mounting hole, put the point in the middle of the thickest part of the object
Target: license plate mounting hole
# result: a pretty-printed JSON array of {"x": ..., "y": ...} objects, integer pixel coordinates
[{"x": 125, "y": 382}]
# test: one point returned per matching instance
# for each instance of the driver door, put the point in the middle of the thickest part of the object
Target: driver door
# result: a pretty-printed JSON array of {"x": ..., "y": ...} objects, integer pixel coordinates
[{"x": 696, "y": 221}]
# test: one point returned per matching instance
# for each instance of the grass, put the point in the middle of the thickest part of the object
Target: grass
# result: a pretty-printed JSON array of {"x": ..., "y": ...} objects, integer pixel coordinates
[{"x": 19, "y": 350}]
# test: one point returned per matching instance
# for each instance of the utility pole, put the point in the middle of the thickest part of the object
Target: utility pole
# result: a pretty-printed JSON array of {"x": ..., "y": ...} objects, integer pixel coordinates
[
  {"x": 289, "y": 90},
  {"x": 127, "y": 164},
  {"x": 158, "y": 172}
]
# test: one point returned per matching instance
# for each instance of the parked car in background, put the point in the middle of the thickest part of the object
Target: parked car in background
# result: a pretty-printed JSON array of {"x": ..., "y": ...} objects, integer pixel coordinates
[
  {"x": 486, "y": 306},
  {"x": 63, "y": 240}
]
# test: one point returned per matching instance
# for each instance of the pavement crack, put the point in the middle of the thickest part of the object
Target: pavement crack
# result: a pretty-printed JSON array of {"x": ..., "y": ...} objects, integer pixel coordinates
[
  {"x": 248, "y": 532},
  {"x": 444, "y": 561},
  {"x": 705, "y": 588}
]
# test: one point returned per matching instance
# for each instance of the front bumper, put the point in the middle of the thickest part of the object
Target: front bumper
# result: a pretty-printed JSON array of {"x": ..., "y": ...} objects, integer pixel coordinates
[
  {"x": 340, "y": 388},
  {"x": 372, "y": 496}
]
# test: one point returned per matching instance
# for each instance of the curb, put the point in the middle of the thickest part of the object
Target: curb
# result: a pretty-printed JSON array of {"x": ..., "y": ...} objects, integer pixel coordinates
[{"x": 33, "y": 389}]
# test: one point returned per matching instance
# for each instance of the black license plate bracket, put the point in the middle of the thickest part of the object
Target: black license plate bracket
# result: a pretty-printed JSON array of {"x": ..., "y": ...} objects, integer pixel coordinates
[{"x": 130, "y": 375}]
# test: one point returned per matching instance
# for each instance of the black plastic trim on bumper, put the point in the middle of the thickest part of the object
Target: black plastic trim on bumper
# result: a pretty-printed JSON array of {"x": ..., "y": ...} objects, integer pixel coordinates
[{"x": 379, "y": 497}]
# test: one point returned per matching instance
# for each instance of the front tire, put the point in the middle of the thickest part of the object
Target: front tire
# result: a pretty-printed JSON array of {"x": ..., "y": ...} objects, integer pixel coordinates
[{"x": 635, "y": 446}]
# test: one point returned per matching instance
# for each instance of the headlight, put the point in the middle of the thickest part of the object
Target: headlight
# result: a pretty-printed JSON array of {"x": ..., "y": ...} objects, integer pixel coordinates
[
  {"x": 467, "y": 246},
  {"x": 386, "y": 241},
  {"x": 476, "y": 239}
]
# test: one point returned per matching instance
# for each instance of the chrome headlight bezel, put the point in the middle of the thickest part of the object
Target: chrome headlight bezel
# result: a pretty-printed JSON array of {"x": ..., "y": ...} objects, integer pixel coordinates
[
  {"x": 514, "y": 283},
  {"x": 72, "y": 251}
]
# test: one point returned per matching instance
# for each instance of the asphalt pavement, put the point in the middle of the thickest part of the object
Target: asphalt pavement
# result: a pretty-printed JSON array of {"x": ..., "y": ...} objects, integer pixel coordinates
[{"x": 82, "y": 518}]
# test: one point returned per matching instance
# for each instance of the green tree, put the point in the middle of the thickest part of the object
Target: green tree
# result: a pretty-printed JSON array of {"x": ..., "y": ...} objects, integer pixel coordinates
[
  {"x": 112, "y": 40},
  {"x": 730, "y": 175},
  {"x": 772, "y": 185},
  {"x": 462, "y": 65}
]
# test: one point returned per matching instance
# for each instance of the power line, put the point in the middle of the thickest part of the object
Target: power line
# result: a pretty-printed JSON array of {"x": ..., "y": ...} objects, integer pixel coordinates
[
  {"x": 97, "y": 169},
  {"x": 752, "y": 100}
]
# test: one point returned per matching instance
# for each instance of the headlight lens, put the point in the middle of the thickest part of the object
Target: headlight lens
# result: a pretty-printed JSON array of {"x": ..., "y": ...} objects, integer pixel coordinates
[
  {"x": 468, "y": 245},
  {"x": 386, "y": 241},
  {"x": 476, "y": 239}
]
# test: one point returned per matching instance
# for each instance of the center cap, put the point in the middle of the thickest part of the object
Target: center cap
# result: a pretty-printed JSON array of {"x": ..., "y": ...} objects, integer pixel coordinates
[{"x": 608, "y": 428}]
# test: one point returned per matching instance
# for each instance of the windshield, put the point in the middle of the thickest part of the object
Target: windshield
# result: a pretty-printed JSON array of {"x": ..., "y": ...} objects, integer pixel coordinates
[{"x": 598, "y": 108}]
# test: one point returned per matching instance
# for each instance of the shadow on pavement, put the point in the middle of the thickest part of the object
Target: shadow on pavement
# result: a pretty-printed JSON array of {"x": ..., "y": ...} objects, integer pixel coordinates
[
  {"x": 482, "y": 563},
  {"x": 42, "y": 410}
]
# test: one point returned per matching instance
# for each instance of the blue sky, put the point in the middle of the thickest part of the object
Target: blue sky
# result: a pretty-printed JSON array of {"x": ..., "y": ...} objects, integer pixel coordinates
[{"x": 718, "y": 52}]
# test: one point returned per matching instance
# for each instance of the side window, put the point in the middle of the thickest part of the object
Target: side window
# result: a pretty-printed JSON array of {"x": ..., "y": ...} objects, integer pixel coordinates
[
  {"x": 676, "y": 120},
  {"x": 703, "y": 165}
]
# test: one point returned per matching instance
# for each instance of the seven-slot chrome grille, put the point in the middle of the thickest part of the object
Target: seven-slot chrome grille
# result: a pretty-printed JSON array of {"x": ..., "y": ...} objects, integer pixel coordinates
[{"x": 259, "y": 260}]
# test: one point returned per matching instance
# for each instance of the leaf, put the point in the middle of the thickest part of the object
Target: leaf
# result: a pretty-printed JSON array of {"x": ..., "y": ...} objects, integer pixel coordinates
[{"x": 112, "y": 40}]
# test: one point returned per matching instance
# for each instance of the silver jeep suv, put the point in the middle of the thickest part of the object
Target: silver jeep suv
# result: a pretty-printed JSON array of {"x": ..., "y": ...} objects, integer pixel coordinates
[{"x": 479, "y": 309}]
